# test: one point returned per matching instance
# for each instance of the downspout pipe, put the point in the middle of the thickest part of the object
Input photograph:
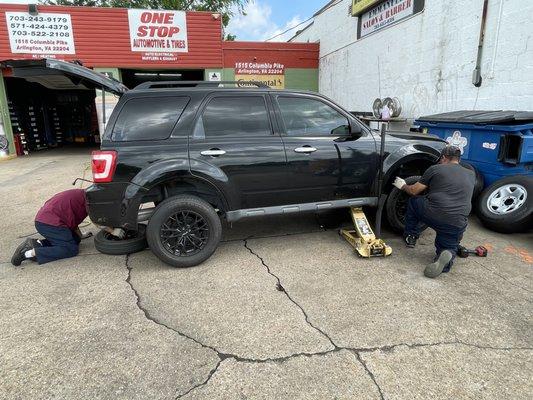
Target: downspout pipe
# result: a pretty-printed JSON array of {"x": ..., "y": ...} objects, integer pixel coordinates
[{"x": 476, "y": 75}]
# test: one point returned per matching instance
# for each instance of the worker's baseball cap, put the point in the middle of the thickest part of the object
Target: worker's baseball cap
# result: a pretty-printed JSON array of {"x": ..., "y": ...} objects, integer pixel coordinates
[{"x": 451, "y": 151}]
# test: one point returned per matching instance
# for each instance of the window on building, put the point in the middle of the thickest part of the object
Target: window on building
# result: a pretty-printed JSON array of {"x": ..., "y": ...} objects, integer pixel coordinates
[
  {"x": 148, "y": 118},
  {"x": 311, "y": 117},
  {"x": 234, "y": 116}
]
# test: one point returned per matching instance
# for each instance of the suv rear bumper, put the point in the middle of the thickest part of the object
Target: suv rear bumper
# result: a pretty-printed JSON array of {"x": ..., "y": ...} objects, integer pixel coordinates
[{"x": 104, "y": 209}]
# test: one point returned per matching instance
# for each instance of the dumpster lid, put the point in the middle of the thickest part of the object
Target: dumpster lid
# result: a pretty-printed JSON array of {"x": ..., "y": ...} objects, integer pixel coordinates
[{"x": 480, "y": 117}]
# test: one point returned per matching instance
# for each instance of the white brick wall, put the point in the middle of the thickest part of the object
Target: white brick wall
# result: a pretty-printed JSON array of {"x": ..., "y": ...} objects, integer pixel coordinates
[{"x": 427, "y": 60}]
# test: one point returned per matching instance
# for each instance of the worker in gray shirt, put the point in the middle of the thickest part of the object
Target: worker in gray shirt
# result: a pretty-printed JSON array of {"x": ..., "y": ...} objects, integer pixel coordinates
[{"x": 445, "y": 207}]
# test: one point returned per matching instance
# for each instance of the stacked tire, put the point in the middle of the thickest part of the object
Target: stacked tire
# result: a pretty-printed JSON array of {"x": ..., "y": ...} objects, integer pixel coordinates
[{"x": 108, "y": 244}]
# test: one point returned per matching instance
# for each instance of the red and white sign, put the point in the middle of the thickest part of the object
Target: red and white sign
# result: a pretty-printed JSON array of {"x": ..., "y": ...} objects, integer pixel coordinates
[
  {"x": 385, "y": 14},
  {"x": 45, "y": 33},
  {"x": 259, "y": 68},
  {"x": 158, "y": 31}
]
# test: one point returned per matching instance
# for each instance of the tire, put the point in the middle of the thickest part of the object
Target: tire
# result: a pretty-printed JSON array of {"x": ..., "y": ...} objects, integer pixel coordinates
[
  {"x": 396, "y": 206},
  {"x": 495, "y": 208},
  {"x": 480, "y": 182},
  {"x": 105, "y": 243},
  {"x": 184, "y": 212}
]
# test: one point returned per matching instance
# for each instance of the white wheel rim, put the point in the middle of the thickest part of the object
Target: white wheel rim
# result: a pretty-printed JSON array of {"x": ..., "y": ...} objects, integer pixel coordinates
[{"x": 507, "y": 199}]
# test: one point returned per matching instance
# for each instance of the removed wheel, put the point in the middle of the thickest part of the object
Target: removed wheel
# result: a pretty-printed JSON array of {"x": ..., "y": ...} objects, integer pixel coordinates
[
  {"x": 396, "y": 206},
  {"x": 109, "y": 244},
  {"x": 506, "y": 205},
  {"x": 184, "y": 231}
]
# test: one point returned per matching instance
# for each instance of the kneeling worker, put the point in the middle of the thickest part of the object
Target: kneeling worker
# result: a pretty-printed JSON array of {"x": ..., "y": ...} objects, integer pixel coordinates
[
  {"x": 445, "y": 207},
  {"x": 58, "y": 222}
]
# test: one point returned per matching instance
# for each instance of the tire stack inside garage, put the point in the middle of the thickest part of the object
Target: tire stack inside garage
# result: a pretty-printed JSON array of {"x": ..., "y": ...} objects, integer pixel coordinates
[{"x": 44, "y": 118}]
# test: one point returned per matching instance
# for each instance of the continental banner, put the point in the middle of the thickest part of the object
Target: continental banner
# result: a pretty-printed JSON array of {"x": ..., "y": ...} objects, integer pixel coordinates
[{"x": 274, "y": 81}]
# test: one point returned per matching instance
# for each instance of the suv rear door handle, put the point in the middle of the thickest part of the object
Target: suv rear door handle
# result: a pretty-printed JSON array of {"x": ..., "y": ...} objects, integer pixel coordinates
[
  {"x": 305, "y": 149},
  {"x": 213, "y": 152}
]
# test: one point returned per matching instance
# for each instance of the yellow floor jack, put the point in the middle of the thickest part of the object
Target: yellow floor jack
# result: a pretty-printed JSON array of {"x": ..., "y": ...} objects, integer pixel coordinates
[{"x": 362, "y": 238}]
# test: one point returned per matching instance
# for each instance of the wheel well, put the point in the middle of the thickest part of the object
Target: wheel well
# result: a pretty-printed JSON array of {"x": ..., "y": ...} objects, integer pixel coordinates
[
  {"x": 410, "y": 168},
  {"x": 200, "y": 189}
]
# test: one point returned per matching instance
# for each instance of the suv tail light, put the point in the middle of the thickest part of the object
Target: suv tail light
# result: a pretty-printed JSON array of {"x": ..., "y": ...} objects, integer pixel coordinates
[{"x": 103, "y": 164}]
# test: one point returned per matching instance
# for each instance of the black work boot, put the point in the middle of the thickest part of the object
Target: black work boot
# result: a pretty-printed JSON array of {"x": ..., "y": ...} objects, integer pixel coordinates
[
  {"x": 18, "y": 255},
  {"x": 410, "y": 241},
  {"x": 436, "y": 268}
]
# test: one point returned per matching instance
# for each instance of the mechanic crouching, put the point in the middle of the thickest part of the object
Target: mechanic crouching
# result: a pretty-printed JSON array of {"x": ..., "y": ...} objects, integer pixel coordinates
[
  {"x": 58, "y": 222},
  {"x": 445, "y": 207}
]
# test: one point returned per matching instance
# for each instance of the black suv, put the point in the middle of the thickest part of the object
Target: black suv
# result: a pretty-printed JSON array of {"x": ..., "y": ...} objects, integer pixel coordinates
[{"x": 201, "y": 152}]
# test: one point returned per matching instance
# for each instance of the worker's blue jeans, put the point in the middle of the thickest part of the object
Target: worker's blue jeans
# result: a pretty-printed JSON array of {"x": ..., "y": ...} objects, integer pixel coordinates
[
  {"x": 448, "y": 236},
  {"x": 59, "y": 242}
]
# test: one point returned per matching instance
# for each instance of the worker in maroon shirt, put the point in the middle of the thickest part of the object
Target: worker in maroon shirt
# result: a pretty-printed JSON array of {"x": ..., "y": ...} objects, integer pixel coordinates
[{"x": 58, "y": 222}]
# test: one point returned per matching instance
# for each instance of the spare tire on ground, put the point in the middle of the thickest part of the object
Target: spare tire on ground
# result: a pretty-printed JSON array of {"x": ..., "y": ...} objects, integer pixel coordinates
[
  {"x": 108, "y": 244},
  {"x": 506, "y": 206},
  {"x": 396, "y": 206}
]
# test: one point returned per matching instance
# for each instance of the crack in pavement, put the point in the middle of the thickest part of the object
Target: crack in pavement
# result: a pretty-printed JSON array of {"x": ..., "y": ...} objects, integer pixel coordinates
[
  {"x": 271, "y": 236},
  {"x": 209, "y": 376},
  {"x": 336, "y": 348},
  {"x": 502, "y": 277},
  {"x": 280, "y": 288},
  {"x": 369, "y": 373}
]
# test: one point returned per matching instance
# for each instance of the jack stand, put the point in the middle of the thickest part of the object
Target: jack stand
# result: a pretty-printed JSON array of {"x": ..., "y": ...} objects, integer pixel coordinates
[{"x": 362, "y": 238}]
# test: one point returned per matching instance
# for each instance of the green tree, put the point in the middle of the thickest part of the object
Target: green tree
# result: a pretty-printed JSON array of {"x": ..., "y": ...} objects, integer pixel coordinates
[{"x": 224, "y": 7}]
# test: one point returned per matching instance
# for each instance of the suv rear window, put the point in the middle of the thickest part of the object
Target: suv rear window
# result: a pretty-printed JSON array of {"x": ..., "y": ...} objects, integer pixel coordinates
[{"x": 148, "y": 118}]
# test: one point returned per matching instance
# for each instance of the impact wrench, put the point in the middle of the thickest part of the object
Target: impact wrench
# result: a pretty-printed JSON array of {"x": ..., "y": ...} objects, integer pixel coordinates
[{"x": 479, "y": 251}]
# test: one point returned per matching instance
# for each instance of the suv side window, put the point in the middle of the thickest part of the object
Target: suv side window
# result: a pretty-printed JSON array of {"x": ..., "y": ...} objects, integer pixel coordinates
[
  {"x": 310, "y": 117},
  {"x": 234, "y": 115},
  {"x": 148, "y": 118}
]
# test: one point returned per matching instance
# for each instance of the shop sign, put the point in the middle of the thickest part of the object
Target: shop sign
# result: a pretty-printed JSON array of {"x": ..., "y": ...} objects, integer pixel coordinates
[
  {"x": 255, "y": 68},
  {"x": 359, "y": 6},
  {"x": 274, "y": 81},
  {"x": 160, "y": 34},
  {"x": 45, "y": 33},
  {"x": 387, "y": 13},
  {"x": 271, "y": 74}
]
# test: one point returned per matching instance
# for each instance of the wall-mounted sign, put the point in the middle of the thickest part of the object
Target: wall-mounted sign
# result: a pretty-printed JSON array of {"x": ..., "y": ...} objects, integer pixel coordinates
[
  {"x": 387, "y": 13},
  {"x": 274, "y": 81},
  {"x": 158, "y": 33},
  {"x": 215, "y": 76},
  {"x": 358, "y": 6},
  {"x": 45, "y": 33},
  {"x": 271, "y": 74}
]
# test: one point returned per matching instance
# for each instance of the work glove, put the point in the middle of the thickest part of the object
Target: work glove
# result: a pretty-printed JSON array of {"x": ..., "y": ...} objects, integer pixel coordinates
[
  {"x": 86, "y": 235},
  {"x": 399, "y": 183},
  {"x": 119, "y": 233}
]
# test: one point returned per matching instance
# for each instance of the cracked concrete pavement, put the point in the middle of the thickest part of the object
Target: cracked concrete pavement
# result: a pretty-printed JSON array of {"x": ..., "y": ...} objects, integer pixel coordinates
[{"x": 283, "y": 309}]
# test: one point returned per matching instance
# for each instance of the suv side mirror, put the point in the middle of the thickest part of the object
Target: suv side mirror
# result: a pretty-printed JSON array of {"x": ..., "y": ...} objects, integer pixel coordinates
[{"x": 355, "y": 130}]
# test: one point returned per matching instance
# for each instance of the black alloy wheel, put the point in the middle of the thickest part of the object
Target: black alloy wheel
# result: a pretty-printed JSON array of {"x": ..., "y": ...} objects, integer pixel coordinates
[{"x": 185, "y": 233}]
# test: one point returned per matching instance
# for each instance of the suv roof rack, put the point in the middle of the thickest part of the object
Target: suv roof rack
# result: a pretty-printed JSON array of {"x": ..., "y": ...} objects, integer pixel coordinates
[{"x": 170, "y": 84}]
